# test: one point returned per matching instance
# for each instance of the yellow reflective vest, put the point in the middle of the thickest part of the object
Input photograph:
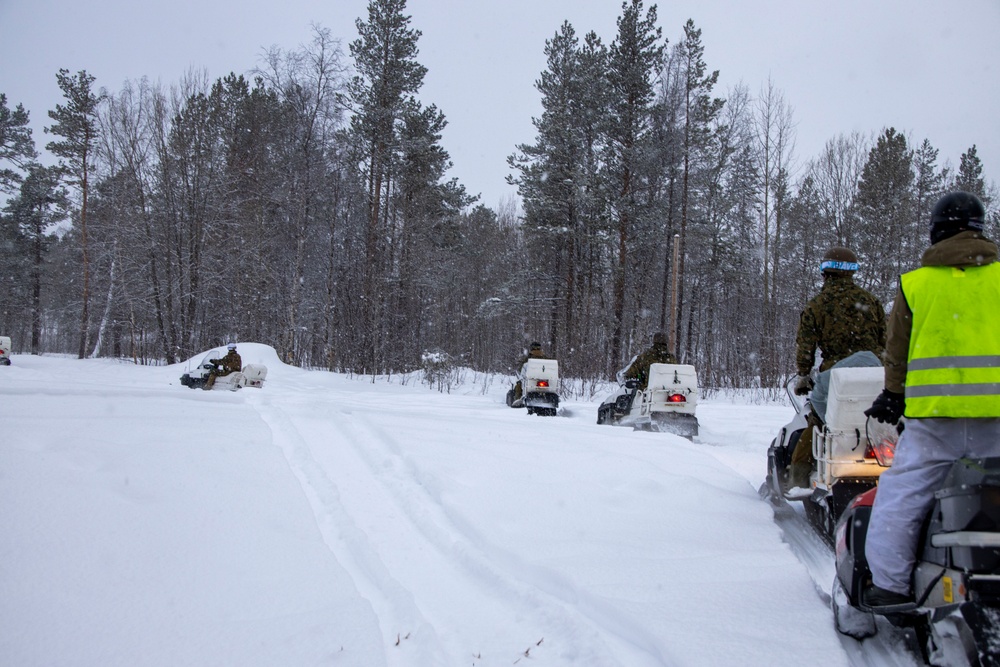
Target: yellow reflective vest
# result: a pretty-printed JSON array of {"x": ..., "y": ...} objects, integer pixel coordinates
[{"x": 953, "y": 365}]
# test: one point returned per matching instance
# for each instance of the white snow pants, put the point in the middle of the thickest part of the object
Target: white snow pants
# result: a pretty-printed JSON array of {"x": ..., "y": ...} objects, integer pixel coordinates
[{"x": 925, "y": 453}]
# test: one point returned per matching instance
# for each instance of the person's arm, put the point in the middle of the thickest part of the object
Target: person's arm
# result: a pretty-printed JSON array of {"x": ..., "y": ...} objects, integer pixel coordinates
[
  {"x": 897, "y": 347},
  {"x": 807, "y": 341}
]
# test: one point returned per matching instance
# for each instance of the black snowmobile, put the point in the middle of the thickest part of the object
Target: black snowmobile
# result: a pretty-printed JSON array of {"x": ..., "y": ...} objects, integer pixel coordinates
[
  {"x": 956, "y": 613},
  {"x": 539, "y": 380}
]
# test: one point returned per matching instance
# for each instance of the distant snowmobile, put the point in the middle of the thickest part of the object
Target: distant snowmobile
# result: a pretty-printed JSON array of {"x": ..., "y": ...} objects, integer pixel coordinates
[
  {"x": 4, "y": 350},
  {"x": 252, "y": 375},
  {"x": 667, "y": 404},
  {"x": 956, "y": 582},
  {"x": 539, "y": 388},
  {"x": 851, "y": 451}
]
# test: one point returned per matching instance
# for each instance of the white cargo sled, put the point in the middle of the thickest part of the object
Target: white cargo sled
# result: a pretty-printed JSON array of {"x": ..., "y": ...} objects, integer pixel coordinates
[
  {"x": 252, "y": 375},
  {"x": 667, "y": 405},
  {"x": 4, "y": 350},
  {"x": 539, "y": 388}
]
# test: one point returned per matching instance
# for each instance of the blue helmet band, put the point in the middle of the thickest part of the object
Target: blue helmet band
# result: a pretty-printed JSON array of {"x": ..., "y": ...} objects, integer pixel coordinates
[{"x": 839, "y": 266}]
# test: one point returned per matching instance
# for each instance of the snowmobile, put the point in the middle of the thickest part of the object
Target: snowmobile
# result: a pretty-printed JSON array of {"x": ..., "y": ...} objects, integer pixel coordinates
[
  {"x": 850, "y": 450},
  {"x": 667, "y": 404},
  {"x": 252, "y": 375},
  {"x": 539, "y": 388},
  {"x": 956, "y": 581},
  {"x": 4, "y": 350}
]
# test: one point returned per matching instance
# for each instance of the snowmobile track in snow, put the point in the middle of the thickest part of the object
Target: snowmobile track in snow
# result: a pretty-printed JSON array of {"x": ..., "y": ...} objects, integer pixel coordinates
[
  {"x": 361, "y": 470},
  {"x": 892, "y": 646}
]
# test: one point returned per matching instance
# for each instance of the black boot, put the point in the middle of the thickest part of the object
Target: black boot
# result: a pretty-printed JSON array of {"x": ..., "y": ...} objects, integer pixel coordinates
[
  {"x": 798, "y": 481},
  {"x": 876, "y": 596}
]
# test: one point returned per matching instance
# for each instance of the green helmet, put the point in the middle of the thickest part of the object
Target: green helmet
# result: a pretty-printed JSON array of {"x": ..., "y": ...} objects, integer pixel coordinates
[{"x": 839, "y": 260}]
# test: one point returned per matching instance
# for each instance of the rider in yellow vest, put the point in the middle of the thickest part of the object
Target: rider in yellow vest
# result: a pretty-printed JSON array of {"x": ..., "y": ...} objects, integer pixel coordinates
[{"x": 942, "y": 372}]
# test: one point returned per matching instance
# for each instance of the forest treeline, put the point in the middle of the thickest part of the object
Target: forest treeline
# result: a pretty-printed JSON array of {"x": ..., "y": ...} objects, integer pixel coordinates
[{"x": 307, "y": 205}]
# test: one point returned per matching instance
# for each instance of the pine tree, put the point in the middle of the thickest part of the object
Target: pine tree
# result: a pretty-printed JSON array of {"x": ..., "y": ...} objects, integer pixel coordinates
[
  {"x": 42, "y": 202},
  {"x": 558, "y": 181},
  {"x": 928, "y": 182},
  {"x": 700, "y": 112},
  {"x": 17, "y": 148},
  {"x": 970, "y": 175},
  {"x": 381, "y": 95},
  {"x": 890, "y": 239},
  {"x": 76, "y": 123},
  {"x": 634, "y": 62}
]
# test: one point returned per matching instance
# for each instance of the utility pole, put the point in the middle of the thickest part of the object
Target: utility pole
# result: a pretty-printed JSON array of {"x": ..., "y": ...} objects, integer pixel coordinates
[{"x": 673, "y": 296}]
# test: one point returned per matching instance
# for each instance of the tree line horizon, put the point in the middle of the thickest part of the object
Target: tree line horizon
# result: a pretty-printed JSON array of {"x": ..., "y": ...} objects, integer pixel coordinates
[{"x": 307, "y": 205}]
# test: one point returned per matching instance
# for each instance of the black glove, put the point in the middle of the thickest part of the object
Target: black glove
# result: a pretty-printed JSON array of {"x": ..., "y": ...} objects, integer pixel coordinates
[
  {"x": 804, "y": 385},
  {"x": 887, "y": 408}
]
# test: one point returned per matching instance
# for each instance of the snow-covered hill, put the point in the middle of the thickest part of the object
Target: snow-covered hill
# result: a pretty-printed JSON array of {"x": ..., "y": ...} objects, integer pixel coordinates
[{"x": 327, "y": 520}]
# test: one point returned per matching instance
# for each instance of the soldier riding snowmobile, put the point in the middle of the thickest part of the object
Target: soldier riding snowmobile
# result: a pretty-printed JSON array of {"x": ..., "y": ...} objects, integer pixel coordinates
[
  {"x": 211, "y": 373},
  {"x": 955, "y": 608},
  {"x": 537, "y": 386},
  {"x": 839, "y": 321},
  {"x": 657, "y": 393}
]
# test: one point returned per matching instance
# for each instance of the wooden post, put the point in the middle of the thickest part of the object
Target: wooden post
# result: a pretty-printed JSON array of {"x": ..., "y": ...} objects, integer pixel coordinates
[{"x": 673, "y": 297}]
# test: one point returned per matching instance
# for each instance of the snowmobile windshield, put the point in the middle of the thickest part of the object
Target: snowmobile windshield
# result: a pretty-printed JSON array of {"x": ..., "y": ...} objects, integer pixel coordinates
[
  {"x": 798, "y": 402},
  {"x": 212, "y": 354},
  {"x": 620, "y": 375}
]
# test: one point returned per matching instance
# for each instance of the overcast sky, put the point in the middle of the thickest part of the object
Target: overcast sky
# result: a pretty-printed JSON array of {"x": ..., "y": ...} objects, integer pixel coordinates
[{"x": 929, "y": 68}]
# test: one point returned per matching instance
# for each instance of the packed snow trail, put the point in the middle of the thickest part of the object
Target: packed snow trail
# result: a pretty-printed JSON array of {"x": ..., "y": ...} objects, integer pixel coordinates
[
  {"x": 891, "y": 646},
  {"x": 389, "y": 502}
]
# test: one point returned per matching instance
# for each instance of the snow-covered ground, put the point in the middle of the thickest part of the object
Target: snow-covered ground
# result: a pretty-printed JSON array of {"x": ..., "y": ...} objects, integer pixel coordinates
[{"x": 328, "y": 520}]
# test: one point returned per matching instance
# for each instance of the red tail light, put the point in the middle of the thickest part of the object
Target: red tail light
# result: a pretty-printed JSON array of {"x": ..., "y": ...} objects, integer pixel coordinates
[
  {"x": 543, "y": 383},
  {"x": 883, "y": 451},
  {"x": 676, "y": 398}
]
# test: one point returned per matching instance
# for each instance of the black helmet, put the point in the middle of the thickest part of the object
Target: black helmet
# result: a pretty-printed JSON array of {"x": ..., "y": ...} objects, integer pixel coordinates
[
  {"x": 839, "y": 260},
  {"x": 536, "y": 346},
  {"x": 660, "y": 338},
  {"x": 956, "y": 212}
]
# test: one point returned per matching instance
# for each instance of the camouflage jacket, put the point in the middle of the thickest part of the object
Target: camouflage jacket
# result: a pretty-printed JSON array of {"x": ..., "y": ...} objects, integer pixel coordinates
[
  {"x": 231, "y": 363},
  {"x": 839, "y": 321},
  {"x": 532, "y": 354},
  {"x": 639, "y": 368},
  {"x": 962, "y": 250}
]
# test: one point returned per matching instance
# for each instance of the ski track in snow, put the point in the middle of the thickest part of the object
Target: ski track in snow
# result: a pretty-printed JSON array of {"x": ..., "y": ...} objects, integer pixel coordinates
[
  {"x": 346, "y": 539},
  {"x": 392, "y": 485}
]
